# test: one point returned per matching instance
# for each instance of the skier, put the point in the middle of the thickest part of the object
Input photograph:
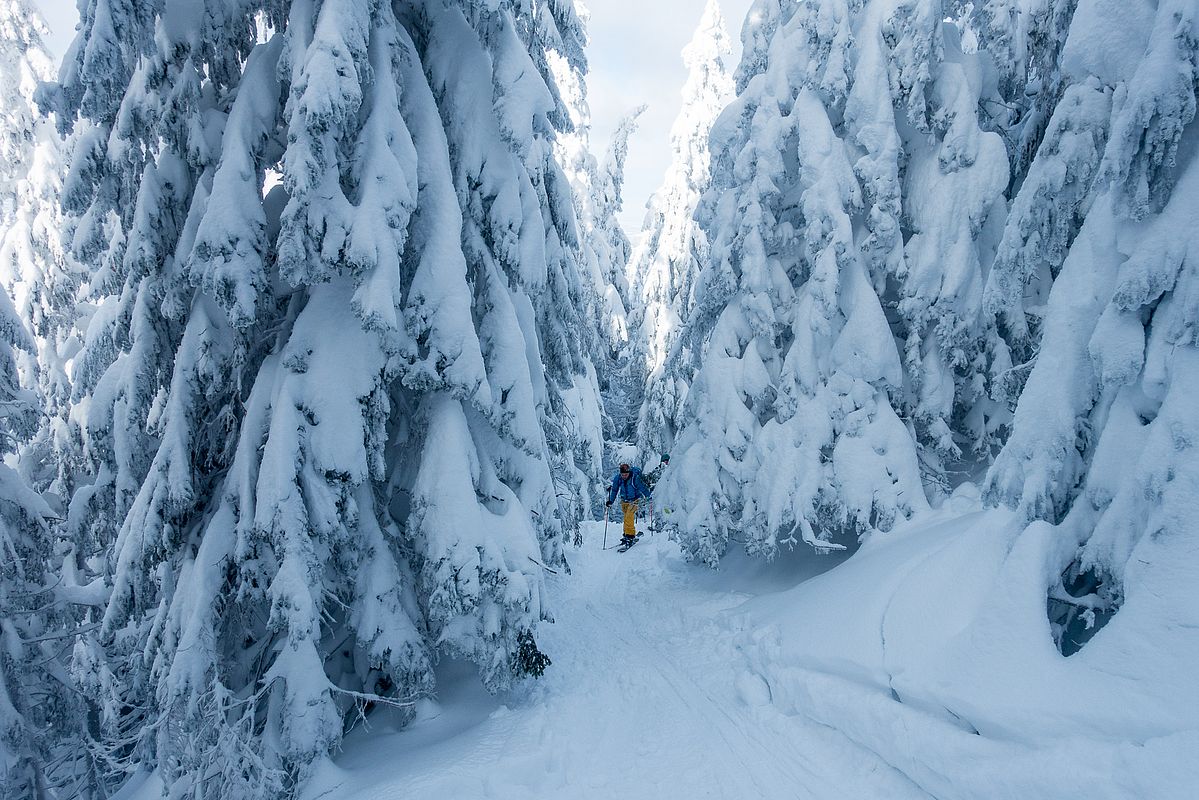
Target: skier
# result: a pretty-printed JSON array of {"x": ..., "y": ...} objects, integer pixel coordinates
[{"x": 630, "y": 485}]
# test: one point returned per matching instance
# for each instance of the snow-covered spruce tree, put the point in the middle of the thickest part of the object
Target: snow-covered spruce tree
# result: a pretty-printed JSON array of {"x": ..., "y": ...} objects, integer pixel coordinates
[
  {"x": 1105, "y": 430},
  {"x": 316, "y": 408},
  {"x": 41, "y": 744},
  {"x": 25, "y": 63},
  {"x": 622, "y": 378},
  {"x": 578, "y": 161},
  {"x": 673, "y": 249},
  {"x": 610, "y": 242},
  {"x": 854, "y": 208},
  {"x": 603, "y": 255},
  {"x": 1037, "y": 110},
  {"x": 29, "y": 696},
  {"x": 34, "y": 265},
  {"x": 1024, "y": 39},
  {"x": 41, "y": 748},
  {"x": 581, "y": 416}
]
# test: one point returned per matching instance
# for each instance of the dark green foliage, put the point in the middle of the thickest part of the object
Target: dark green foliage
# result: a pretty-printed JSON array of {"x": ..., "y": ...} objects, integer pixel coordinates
[{"x": 528, "y": 660}]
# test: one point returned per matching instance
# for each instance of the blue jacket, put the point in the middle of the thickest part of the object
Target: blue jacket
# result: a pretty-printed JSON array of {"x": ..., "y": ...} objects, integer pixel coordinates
[{"x": 630, "y": 490}]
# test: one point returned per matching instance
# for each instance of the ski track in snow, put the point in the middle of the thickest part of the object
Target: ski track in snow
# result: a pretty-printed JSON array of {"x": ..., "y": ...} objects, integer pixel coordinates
[{"x": 649, "y": 696}]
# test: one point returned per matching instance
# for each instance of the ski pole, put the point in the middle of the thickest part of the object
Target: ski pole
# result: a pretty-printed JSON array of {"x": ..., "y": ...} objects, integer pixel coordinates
[{"x": 606, "y": 526}]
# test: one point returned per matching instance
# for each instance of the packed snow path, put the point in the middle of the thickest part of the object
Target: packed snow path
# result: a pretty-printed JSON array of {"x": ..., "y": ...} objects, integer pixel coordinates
[{"x": 648, "y": 697}]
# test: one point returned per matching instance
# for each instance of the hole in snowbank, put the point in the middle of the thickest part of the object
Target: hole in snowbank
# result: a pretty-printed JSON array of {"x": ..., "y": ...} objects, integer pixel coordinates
[{"x": 1079, "y": 604}]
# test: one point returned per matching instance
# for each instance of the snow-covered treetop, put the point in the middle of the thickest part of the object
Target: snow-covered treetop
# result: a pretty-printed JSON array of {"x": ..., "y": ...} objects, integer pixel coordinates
[
  {"x": 709, "y": 86},
  {"x": 704, "y": 58},
  {"x": 24, "y": 63},
  {"x": 660, "y": 271},
  {"x": 612, "y": 169},
  {"x": 673, "y": 250},
  {"x": 611, "y": 244}
]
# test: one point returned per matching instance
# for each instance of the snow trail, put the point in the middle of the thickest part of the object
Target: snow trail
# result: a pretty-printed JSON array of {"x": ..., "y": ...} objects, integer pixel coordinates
[{"x": 649, "y": 696}]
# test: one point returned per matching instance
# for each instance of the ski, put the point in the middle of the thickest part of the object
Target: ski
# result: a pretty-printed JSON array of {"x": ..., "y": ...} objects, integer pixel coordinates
[{"x": 623, "y": 546}]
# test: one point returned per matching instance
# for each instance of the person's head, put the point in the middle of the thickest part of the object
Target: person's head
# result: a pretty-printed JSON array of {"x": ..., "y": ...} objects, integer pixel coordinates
[
  {"x": 624, "y": 469},
  {"x": 666, "y": 458}
]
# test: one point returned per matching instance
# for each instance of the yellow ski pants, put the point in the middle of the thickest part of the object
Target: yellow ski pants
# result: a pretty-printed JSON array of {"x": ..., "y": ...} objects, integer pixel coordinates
[{"x": 630, "y": 511}]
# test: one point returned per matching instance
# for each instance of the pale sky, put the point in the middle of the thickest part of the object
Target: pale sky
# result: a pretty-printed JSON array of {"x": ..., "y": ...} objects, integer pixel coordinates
[
  {"x": 61, "y": 16},
  {"x": 635, "y": 57}
]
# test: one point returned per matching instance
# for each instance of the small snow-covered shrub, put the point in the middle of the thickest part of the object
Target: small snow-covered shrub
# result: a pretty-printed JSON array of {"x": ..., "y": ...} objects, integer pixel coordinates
[
  {"x": 529, "y": 660},
  {"x": 1081, "y": 603}
]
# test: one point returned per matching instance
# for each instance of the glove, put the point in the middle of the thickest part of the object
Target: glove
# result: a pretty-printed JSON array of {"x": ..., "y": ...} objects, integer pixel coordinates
[{"x": 608, "y": 503}]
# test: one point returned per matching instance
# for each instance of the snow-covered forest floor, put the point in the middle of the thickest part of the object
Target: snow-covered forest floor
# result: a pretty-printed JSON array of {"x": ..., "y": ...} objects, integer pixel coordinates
[
  {"x": 760, "y": 680},
  {"x": 649, "y": 696}
]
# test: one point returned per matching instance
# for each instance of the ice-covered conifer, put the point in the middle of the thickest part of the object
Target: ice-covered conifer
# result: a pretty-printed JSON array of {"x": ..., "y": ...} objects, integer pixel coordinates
[
  {"x": 622, "y": 379},
  {"x": 1104, "y": 432},
  {"x": 1122, "y": 285},
  {"x": 28, "y": 704},
  {"x": 318, "y": 409},
  {"x": 673, "y": 249},
  {"x": 577, "y": 425},
  {"x": 852, "y": 215},
  {"x": 34, "y": 265},
  {"x": 612, "y": 245},
  {"x": 41, "y": 749},
  {"x": 26, "y": 686},
  {"x": 593, "y": 194}
]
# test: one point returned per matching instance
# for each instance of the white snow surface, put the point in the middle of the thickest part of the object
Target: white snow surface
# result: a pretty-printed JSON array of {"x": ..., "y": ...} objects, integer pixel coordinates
[{"x": 921, "y": 666}]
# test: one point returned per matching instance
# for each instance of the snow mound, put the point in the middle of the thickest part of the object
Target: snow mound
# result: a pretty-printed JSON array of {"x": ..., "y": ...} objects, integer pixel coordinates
[{"x": 931, "y": 647}]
